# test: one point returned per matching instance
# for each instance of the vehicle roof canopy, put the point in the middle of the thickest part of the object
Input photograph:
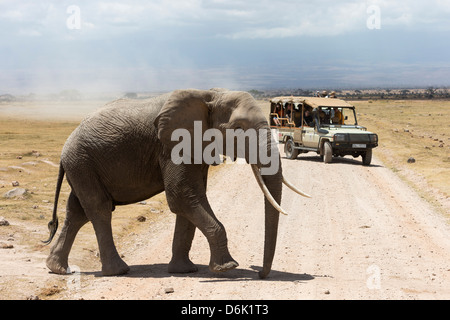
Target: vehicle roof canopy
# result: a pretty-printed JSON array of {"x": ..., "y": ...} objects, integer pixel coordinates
[{"x": 314, "y": 102}]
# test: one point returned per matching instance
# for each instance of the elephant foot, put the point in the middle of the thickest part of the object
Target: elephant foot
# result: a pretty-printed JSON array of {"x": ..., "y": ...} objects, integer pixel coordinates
[
  {"x": 224, "y": 264},
  {"x": 115, "y": 267},
  {"x": 182, "y": 266},
  {"x": 56, "y": 265}
]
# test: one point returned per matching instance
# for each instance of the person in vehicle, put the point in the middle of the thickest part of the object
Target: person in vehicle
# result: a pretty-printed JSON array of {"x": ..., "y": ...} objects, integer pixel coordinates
[
  {"x": 337, "y": 117},
  {"x": 288, "y": 108},
  {"x": 297, "y": 116},
  {"x": 276, "y": 121},
  {"x": 323, "y": 117},
  {"x": 277, "y": 114},
  {"x": 308, "y": 119}
]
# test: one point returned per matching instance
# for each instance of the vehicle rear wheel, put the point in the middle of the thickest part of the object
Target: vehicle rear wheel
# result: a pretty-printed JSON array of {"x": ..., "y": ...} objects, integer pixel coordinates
[
  {"x": 289, "y": 150},
  {"x": 367, "y": 157},
  {"x": 327, "y": 152}
]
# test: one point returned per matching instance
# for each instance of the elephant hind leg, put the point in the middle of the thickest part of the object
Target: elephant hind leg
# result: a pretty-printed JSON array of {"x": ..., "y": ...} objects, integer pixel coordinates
[{"x": 57, "y": 261}]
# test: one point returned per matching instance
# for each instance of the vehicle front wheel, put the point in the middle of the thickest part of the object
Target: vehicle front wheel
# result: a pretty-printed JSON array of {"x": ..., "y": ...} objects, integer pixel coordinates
[
  {"x": 289, "y": 150},
  {"x": 327, "y": 152},
  {"x": 367, "y": 157}
]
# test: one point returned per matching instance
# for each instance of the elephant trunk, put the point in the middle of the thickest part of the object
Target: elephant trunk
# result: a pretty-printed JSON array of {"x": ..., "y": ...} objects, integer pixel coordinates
[
  {"x": 270, "y": 183},
  {"x": 273, "y": 184}
]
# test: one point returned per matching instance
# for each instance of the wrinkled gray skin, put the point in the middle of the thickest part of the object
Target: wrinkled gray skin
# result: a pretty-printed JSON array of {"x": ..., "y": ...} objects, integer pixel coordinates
[{"x": 121, "y": 155}]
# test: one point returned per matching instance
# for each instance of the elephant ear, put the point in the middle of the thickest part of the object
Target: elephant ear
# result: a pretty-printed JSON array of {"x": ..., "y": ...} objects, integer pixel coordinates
[{"x": 182, "y": 109}]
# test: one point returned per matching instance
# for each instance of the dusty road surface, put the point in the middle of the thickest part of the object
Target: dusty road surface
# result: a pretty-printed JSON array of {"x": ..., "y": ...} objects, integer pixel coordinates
[{"x": 363, "y": 235}]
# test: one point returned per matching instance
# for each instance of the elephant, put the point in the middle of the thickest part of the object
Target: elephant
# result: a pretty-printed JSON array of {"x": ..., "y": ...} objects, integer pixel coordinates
[{"x": 122, "y": 154}]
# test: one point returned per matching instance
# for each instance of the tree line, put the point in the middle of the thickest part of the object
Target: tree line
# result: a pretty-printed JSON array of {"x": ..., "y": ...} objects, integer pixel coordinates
[{"x": 361, "y": 94}]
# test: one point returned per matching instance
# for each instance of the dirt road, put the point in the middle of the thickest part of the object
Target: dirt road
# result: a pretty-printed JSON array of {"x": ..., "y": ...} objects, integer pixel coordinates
[{"x": 364, "y": 235}]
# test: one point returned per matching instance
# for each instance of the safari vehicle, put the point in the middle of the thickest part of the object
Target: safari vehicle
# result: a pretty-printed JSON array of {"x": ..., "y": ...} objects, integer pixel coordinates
[{"x": 327, "y": 126}]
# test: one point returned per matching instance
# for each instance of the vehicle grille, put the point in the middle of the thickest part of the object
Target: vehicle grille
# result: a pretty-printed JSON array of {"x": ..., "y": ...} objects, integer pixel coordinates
[{"x": 358, "y": 138}]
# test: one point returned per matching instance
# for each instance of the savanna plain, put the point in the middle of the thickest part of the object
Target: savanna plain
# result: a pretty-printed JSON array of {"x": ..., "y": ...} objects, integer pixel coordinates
[{"x": 377, "y": 232}]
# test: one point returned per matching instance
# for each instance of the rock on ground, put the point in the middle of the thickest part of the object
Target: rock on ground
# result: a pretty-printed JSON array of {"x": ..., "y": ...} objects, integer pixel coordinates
[{"x": 16, "y": 193}]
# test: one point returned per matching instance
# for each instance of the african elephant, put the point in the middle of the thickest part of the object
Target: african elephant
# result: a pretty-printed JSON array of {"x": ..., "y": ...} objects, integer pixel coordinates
[{"x": 122, "y": 154}]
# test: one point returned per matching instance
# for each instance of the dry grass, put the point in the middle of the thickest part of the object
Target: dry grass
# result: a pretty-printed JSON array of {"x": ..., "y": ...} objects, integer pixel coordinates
[
  {"x": 413, "y": 128},
  {"x": 29, "y": 154}
]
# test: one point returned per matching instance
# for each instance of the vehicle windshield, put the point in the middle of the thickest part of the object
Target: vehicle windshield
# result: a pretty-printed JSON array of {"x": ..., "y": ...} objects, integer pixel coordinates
[{"x": 337, "y": 116}]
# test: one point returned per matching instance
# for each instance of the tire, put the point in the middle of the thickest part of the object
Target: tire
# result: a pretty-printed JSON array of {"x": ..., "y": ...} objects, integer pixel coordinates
[
  {"x": 327, "y": 152},
  {"x": 367, "y": 157},
  {"x": 289, "y": 150}
]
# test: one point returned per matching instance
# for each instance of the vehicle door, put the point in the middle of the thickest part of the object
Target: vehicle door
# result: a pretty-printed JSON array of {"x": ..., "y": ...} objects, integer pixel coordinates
[
  {"x": 298, "y": 122},
  {"x": 309, "y": 134}
]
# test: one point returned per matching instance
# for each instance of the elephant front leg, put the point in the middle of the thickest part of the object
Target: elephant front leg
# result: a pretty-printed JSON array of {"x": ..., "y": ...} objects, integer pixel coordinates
[
  {"x": 99, "y": 213},
  {"x": 204, "y": 219},
  {"x": 186, "y": 195},
  {"x": 182, "y": 241},
  {"x": 214, "y": 231},
  {"x": 112, "y": 264}
]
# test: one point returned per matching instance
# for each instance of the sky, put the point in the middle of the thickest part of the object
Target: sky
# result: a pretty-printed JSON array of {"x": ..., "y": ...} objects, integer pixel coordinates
[{"x": 134, "y": 46}]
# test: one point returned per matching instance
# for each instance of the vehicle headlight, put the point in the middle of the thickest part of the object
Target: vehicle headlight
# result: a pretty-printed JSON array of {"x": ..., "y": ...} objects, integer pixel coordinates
[
  {"x": 373, "y": 138},
  {"x": 340, "y": 137}
]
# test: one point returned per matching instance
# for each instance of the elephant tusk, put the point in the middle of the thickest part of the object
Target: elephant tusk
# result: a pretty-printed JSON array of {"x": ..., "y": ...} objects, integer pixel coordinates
[
  {"x": 266, "y": 191},
  {"x": 291, "y": 186}
]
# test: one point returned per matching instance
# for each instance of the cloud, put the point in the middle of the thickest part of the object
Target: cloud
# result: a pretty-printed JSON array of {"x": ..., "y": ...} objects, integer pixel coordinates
[
  {"x": 304, "y": 19},
  {"x": 228, "y": 19},
  {"x": 176, "y": 43},
  {"x": 332, "y": 18}
]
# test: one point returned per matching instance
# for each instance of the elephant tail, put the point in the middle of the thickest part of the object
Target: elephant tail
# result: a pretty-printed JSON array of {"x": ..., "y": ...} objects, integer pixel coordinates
[{"x": 53, "y": 224}]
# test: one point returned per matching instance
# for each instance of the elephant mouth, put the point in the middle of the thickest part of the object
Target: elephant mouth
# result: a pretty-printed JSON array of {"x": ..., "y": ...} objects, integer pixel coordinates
[{"x": 267, "y": 194}]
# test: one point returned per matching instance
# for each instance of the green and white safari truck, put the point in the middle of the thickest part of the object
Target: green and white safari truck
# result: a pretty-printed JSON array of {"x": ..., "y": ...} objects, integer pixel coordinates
[{"x": 327, "y": 126}]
